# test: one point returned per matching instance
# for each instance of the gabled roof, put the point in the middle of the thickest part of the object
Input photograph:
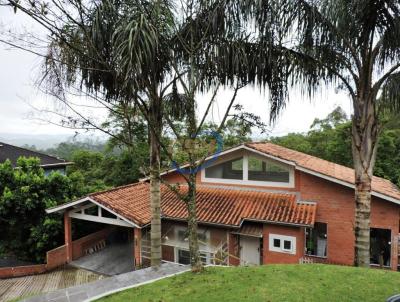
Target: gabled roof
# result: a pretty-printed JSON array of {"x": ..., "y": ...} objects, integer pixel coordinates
[
  {"x": 222, "y": 206},
  {"x": 322, "y": 168},
  {"x": 13, "y": 153}
]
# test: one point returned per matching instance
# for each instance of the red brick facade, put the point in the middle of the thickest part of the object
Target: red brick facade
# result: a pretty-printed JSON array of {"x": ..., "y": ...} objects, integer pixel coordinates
[
  {"x": 335, "y": 207},
  {"x": 270, "y": 257},
  {"x": 226, "y": 208}
]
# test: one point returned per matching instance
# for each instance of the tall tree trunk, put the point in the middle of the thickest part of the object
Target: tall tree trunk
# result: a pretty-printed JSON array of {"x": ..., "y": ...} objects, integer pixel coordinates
[
  {"x": 195, "y": 260},
  {"x": 155, "y": 195},
  {"x": 364, "y": 147}
]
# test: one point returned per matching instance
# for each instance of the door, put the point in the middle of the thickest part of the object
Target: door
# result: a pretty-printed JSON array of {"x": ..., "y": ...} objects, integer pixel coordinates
[{"x": 249, "y": 250}]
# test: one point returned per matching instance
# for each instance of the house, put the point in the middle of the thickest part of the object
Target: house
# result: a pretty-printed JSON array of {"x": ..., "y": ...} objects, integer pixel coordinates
[
  {"x": 257, "y": 203},
  {"x": 47, "y": 162}
]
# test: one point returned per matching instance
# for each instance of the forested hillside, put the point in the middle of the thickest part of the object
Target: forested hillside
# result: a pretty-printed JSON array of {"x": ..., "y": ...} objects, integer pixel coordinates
[{"x": 330, "y": 139}]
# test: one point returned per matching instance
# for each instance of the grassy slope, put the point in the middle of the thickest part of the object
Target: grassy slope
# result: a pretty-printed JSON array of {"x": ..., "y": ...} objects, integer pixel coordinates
[{"x": 270, "y": 283}]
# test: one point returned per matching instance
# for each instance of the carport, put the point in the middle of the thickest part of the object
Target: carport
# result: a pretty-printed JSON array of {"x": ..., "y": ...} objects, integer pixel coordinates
[{"x": 111, "y": 251}]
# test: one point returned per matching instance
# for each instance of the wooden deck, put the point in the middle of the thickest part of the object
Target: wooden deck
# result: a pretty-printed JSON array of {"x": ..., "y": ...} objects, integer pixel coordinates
[{"x": 32, "y": 285}]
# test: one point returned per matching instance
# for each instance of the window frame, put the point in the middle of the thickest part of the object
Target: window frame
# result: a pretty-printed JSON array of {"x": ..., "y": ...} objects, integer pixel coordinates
[
  {"x": 282, "y": 238},
  {"x": 245, "y": 180}
]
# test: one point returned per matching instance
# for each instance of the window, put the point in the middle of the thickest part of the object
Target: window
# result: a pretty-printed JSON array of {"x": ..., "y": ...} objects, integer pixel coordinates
[
  {"x": 232, "y": 169},
  {"x": 254, "y": 170},
  {"x": 262, "y": 170},
  {"x": 282, "y": 244},
  {"x": 183, "y": 257},
  {"x": 182, "y": 235},
  {"x": 287, "y": 245},
  {"x": 316, "y": 240},
  {"x": 380, "y": 246}
]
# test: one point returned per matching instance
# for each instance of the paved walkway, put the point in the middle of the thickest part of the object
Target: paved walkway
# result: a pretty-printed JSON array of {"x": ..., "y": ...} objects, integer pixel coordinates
[
  {"x": 94, "y": 289},
  {"x": 33, "y": 285},
  {"x": 113, "y": 260}
]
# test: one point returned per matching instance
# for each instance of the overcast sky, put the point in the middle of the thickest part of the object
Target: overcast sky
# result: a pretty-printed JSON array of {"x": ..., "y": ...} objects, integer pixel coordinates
[{"x": 19, "y": 70}]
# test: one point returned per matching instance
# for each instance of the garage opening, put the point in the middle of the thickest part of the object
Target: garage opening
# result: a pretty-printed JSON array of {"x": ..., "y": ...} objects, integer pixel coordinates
[{"x": 115, "y": 257}]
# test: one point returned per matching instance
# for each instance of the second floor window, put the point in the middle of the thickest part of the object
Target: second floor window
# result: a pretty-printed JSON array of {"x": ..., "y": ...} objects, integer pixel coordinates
[
  {"x": 252, "y": 170},
  {"x": 232, "y": 169},
  {"x": 267, "y": 171}
]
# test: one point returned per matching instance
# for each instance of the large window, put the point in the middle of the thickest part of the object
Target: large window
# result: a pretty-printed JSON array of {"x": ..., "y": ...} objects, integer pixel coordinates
[
  {"x": 183, "y": 237},
  {"x": 282, "y": 244},
  {"x": 232, "y": 169},
  {"x": 262, "y": 170},
  {"x": 316, "y": 240},
  {"x": 380, "y": 240},
  {"x": 252, "y": 170}
]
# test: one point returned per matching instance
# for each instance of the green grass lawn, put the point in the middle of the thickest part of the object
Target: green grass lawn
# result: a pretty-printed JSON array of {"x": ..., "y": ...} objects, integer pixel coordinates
[{"x": 271, "y": 283}]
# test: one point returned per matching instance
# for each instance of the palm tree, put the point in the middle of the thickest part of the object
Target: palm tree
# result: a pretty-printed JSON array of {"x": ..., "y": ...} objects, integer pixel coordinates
[
  {"x": 354, "y": 44},
  {"x": 136, "y": 51}
]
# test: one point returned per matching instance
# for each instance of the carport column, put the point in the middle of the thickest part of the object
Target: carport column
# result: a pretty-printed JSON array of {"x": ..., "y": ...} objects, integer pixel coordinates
[
  {"x": 137, "y": 249},
  {"x": 68, "y": 236}
]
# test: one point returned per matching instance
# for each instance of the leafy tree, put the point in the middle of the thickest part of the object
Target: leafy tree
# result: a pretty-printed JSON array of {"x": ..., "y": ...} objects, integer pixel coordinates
[
  {"x": 136, "y": 52},
  {"x": 66, "y": 149},
  {"x": 332, "y": 141},
  {"x": 87, "y": 171},
  {"x": 25, "y": 192}
]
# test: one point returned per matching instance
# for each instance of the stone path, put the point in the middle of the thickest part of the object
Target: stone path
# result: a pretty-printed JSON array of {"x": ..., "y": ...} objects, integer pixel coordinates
[
  {"x": 91, "y": 291},
  {"x": 32, "y": 285}
]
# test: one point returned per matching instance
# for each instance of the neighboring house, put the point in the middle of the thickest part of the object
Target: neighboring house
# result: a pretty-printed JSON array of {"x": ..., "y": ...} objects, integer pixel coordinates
[
  {"x": 47, "y": 162},
  {"x": 258, "y": 203}
]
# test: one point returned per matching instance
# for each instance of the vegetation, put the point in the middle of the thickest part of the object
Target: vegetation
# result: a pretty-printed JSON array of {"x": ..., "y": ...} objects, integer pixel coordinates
[
  {"x": 27, "y": 232},
  {"x": 270, "y": 283},
  {"x": 330, "y": 139},
  {"x": 151, "y": 56}
]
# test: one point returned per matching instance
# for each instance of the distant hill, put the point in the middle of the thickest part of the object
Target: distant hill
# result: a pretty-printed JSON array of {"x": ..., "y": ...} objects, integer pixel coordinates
[{"x": 44, "y": 141}]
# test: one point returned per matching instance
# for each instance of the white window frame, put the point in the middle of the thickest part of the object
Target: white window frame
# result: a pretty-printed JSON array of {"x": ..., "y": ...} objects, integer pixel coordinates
[
  {"x": 245, "y": 180},
  {"x": 281, "y": 249}
]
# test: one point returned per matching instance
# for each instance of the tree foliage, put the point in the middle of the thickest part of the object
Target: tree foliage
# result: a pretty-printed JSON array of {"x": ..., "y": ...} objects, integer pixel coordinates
[
  {"x": 330, "y": 139},
  {"x": 27, "y": 232}
]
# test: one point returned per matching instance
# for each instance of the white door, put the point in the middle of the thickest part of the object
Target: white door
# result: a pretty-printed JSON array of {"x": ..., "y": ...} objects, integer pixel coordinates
[{"x": 249, "y": 250}]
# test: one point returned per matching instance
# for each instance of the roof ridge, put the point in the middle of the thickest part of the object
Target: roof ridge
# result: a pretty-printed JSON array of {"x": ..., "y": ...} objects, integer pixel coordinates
[
  {"x": 37, "y": 152},
  {"x": 313, "y": 156},
  {"x": 116, "y": 188}
]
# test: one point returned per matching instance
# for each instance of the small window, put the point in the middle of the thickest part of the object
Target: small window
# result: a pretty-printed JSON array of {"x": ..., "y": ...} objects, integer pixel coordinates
[
  {"x": 282, "y": 243},
  {"x": 266, "y": 170},
  {"x": 287, "y": 245},
  {"x": 232, "y": 169},
  {"x": 317, "y": 239}
]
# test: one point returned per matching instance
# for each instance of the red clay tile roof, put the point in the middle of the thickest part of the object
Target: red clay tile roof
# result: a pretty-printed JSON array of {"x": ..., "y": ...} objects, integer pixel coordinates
[
  {"x": 379, "y": 185},
  {"x": 214, "y": 205}
]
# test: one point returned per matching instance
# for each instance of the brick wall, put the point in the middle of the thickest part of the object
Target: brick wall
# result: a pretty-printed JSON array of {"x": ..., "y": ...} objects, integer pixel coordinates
[
  {"x": 336, "y": 207},
  {"x": 56, "y": 257},
  {"x": 19, "y": 271},
  {"x": 80, "y": 245},
  {"x": 270, "y": 257}
]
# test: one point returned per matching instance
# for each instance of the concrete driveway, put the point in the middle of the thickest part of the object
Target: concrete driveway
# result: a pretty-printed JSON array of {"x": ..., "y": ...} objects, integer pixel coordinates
[
  {"x": 94, "y": 290},
  {"x": 115, "y": 259}
]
